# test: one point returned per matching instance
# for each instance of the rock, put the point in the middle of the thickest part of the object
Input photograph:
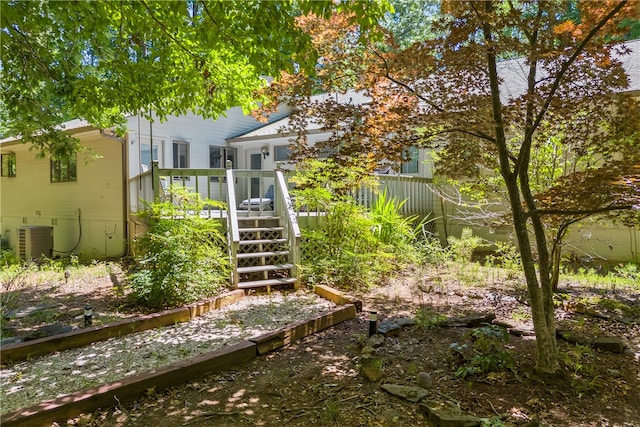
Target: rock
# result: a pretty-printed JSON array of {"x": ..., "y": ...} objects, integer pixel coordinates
[
  {"x": 27, "y": 311},
  {"x": 424, "y": 380},
  {"x": 412, "y": 394},
  {"x": 475, "y": 320},
  {"x": 470, "y": 321},
  {"x": 392, "y": 327},
  {"x": 388, "y": 328},
  {"x": 523, "y": 332},
  {"x": 368, "y": 351},
  {"x": 610, "y": 344},
  {"x": 47, "y": 331},
  {"x": 390, "y": 416},
  {"x": 372, "y": 372},
  {"x": 442, "y": 415},
  {"x": 406, "y": 321},
  {"x": 572, "y": 337},
  {"x": 375, "y": 341},
  {"x": 505, "y": 324}
]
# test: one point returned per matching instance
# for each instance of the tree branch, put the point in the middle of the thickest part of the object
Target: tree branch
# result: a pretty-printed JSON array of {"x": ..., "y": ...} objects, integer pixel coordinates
[
  {"x": 163, "y": 27},
  {"x": 565, "y": 66},
  {"x": 587, "y": 212},
  {"x": 480, "y": 135},
  {"x": 387, "y": 74}
]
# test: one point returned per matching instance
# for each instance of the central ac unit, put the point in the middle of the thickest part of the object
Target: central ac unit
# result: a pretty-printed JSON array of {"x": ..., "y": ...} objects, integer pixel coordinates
[{"x": 35, "y": 242}]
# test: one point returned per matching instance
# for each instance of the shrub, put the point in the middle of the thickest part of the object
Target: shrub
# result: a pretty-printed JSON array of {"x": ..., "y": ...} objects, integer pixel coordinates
[
  {"x": 462, "y": 248},
  {"x": 182, "y": 257},
  {"x": 343, "y": 251},
  {"x": 352, "y": 247},
  {"x": 13, "y": 279},
  {"x": 488, "y": 351}
]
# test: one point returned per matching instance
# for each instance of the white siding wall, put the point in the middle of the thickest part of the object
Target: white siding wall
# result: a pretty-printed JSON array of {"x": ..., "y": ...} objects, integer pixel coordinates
[
  {"x": 31, "y": 199},
  {"x": 199, "y": 132}
]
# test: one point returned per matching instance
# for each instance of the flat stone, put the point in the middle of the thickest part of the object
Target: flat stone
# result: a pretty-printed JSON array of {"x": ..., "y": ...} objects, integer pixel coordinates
[
  {"x": 392, "y": 327},
  {"x": 369, "y": 351},
  {"x": 573, "y": 337},
  {"x": 375, "y": 341},
  {"x": 388, "y": 328},
  {"x": 505, "y": 324},
  {"x": 475, "y": 320},
  {"x": 390, "y": 415},
  {"x": 27, "y": 311},
  {"x": 610, "y": 344},
  {"x": 49, "y": 330},
  {"x": 522, "y": 332},
  {"x": 442, "y": 415},
  {"x": 470, "y": 321},
  {"x": 406, "y": 321},
  {"x": 410, "y": 393}
]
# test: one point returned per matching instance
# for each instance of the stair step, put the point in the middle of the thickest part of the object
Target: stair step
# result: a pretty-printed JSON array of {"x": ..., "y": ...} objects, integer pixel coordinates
[
  {"x": 257, "y": 218},
  {"x": 268, "y": 282},
  {"x": 262, "y": 254},
  {"x": 260, "y": 268},
  {"x": 261, "y": 241},
  {"x": 256, "y": 229}
]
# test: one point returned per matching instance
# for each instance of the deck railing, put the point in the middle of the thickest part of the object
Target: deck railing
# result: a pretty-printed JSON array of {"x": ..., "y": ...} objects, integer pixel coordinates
[
  {"x": 414, "y": 191},
  {"x": 233, "y": 232},
  {"x": 212, "y": 184},
  {"x": 284, "y": 204}
]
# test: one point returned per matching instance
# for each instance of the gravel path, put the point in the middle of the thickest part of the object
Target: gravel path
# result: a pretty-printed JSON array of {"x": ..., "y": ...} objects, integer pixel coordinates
[{"x": 55, "y": 375}]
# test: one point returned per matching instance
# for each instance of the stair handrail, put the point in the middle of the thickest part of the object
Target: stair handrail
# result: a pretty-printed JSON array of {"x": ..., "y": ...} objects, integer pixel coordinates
[
  {"x": 233, "y": 233},
  {"x": 290, "y": 218}
]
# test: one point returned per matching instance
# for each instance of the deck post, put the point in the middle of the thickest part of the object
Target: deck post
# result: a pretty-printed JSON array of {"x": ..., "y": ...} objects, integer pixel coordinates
[
  {"x": 155, "y": 181},
  {"x": 233, "y": 234}
]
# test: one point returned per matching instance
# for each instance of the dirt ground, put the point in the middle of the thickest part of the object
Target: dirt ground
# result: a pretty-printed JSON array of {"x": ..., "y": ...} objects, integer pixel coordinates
[{"x": 317, "y": 380}]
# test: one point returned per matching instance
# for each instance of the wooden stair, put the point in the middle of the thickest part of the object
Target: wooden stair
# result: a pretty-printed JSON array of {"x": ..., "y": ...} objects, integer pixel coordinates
[{"x": 263, "y": 258}]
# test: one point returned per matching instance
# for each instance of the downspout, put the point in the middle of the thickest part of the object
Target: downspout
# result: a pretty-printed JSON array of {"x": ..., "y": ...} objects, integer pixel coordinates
[{"x": 125, "y": 187}]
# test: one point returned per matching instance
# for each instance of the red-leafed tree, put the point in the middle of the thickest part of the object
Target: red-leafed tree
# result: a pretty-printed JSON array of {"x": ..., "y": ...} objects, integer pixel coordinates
[{"x": 494, "y": 88}]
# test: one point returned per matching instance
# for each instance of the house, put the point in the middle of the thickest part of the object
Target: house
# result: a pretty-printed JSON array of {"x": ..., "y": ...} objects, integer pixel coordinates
[
  {"x": 57, "y": 208},
  {"x": 83, "y": 206}
]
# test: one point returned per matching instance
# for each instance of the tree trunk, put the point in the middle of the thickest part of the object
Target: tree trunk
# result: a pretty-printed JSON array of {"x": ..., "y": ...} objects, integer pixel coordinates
[
  {"x": 539, "y": 289},
  {"x": 555, "y": 268}
]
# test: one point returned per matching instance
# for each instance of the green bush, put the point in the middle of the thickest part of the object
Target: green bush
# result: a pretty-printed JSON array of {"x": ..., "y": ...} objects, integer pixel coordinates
[
  {"x": 7, "y": 254},
  {"x": 352, "y": 247},
  {"x": 462, "y": 248},
  {"x": 182, "y": 257},
  {"x": 345, "y": 251}
]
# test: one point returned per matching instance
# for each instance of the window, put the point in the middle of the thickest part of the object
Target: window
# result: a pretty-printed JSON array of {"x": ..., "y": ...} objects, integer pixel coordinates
[
  {"x": 146, "y": 155},
  {"x": 9, "y": 164},
  {"x": 410, "y": 166},
  {"x": 180, "y": 155},
  {"x": 282, "y": 153},
  {"x": 181, "y": 158},
  {"x": 218, "y": 157},
  {"x": 64, "y": 170}
]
